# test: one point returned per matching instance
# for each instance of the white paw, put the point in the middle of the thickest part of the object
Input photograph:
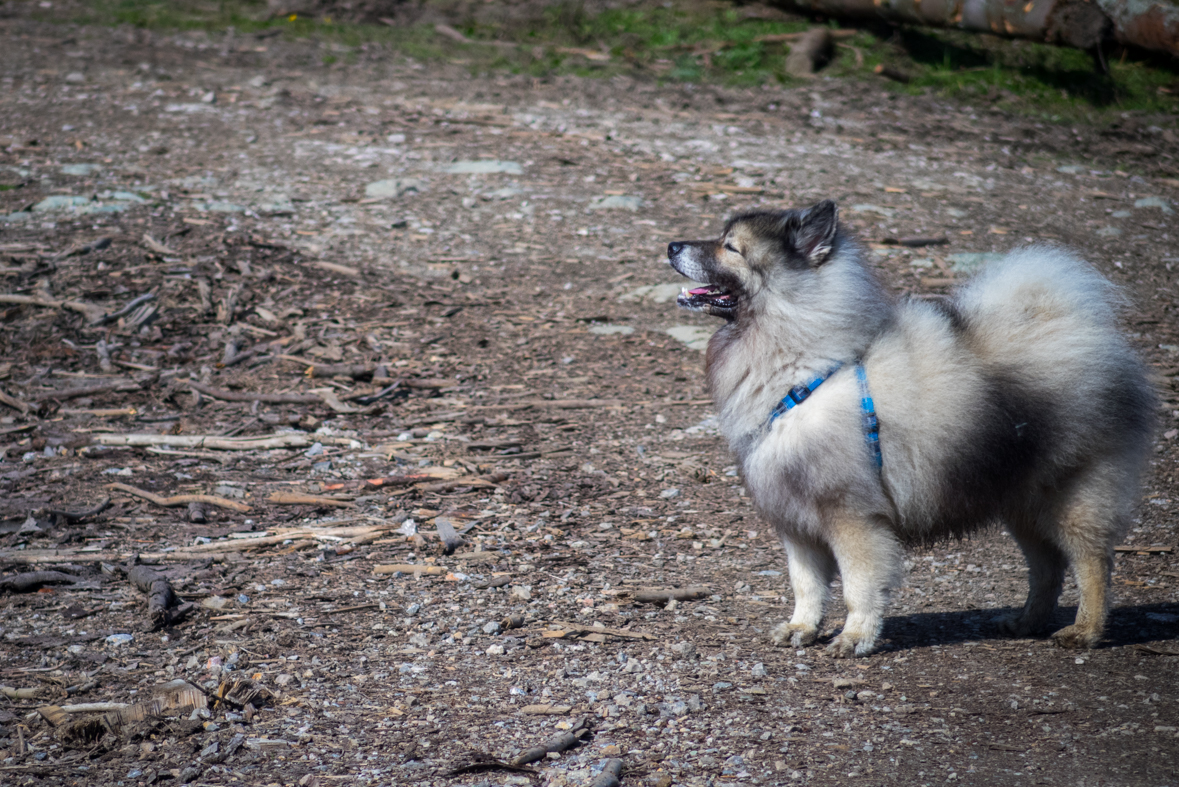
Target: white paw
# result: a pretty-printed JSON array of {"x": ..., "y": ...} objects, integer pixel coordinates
[
  {"x": 851, "y": 642},
  {"x": 797, "y": 634}
]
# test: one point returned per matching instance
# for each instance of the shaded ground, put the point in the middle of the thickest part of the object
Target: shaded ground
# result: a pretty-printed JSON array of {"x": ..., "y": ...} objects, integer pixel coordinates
[{"x": 507, "y": 273}]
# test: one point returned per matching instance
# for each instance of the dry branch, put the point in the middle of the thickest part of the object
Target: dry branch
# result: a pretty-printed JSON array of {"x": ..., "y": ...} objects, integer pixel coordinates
[
  {"x": 89, "y": 310},
  {"x": 182, "y": 500}
]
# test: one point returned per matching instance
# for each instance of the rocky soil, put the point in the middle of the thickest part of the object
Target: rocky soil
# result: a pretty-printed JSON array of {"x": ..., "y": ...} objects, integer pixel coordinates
[{"x": 445, "y": 297}]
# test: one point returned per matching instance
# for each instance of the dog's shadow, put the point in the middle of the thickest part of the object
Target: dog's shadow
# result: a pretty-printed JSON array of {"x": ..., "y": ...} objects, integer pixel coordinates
[{"x": 1127, "y": 626}]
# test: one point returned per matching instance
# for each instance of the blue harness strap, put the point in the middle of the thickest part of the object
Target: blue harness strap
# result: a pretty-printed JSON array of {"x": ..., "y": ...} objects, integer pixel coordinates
[
  {"x": 800, "y": 393},
  {"x": 868, "y": 417}
]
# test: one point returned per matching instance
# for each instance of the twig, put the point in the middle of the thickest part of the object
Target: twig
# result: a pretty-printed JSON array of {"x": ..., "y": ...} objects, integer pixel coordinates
[
  {"x": 182, "y": 500},
  {"x": 14, "y": 403},
  {"x": 78, "y": 516},
  {"x": 134, "y": 304},
  {"x": 213, "y": 442},
  {"x": 299, "y": 499},
  {"x": 678, "y": 594},
  {"x": 235, "y": 396},
  {"x": 86, "y": 390},
  {"x": 90, "y": 311}
]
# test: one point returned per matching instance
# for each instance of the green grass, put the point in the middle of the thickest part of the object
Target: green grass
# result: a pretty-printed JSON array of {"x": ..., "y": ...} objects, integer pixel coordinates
[{"x": 691, "y": 41}]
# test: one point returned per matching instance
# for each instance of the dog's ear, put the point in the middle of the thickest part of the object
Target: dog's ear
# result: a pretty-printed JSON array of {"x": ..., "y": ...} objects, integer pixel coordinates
[{"x": 815, "y": 233}]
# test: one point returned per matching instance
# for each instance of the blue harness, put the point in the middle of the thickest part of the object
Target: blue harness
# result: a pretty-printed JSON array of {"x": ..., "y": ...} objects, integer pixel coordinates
[{"x": 800, "y": 393}]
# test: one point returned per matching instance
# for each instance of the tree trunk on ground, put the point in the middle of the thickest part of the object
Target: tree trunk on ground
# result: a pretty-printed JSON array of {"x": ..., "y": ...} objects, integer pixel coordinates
[{"x": 1084, "y": 24}]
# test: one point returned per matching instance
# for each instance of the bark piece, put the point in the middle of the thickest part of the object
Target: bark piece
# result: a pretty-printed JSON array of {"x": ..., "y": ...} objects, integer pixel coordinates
[{"x": 164, "y": 607}]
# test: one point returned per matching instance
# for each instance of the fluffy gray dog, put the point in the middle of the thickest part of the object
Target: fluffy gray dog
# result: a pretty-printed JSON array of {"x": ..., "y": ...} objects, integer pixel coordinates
[{"x": 864, "y": 423}]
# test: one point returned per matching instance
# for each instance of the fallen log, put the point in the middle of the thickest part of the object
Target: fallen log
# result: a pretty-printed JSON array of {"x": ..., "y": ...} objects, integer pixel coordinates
[
  {"x": 809, "y": 54},
  {"x": 1082, "y": 24}
]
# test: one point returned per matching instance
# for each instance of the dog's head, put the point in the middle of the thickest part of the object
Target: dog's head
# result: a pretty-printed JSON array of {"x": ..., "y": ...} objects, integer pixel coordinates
[{"x": 756, "y": 253}]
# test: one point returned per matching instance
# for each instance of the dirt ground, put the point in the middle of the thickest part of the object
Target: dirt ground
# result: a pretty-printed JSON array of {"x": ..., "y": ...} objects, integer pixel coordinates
[{"x": 494, "y": 247}]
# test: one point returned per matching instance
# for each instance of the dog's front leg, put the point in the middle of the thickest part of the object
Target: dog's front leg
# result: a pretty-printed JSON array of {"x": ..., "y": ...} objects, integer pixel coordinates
[
  {"x": 870, "y": 561},
  {"x": 812, "y": 567}
]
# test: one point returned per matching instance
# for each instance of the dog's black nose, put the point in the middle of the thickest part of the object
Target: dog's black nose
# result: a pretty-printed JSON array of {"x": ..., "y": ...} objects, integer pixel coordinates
[{"x": 674, "y": 249}]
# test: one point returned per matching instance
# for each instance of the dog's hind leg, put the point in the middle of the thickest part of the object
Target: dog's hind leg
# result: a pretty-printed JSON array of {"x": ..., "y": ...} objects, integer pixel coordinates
[
  {"x": 1046, "y": 564},
  {"x": 1093, "y": 521},
  {"x": 870, "y": 562},
  {"x": 812, "y": 567}
]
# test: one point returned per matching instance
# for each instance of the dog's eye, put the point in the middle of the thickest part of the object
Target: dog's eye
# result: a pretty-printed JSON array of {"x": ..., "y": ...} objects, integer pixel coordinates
[{"x": 731, "y": 247}]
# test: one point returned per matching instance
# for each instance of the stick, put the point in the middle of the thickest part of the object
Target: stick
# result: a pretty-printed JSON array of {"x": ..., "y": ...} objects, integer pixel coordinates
[
  {"x": 86, "y": 390},
  {"x": 609, "y": 777},
  {"x": 182, "y": 500},
  {"x": 34, "y": 580},
  {"x": 234, "y": 396},
  {"x": 562, "y": 742},
  {"x": 123, "y": 312},
  {"x": 89, "y": 310},
  {"x": 163, "y": 606},
  {"x": 77, "y": 516},
  {"x": 289, "y": 440},
  {"x": 408, "y": 568},
  {"x": 14, "y": 403},
  {"x": 679, "y": 594},
  {"x": 299, "y": 499}
]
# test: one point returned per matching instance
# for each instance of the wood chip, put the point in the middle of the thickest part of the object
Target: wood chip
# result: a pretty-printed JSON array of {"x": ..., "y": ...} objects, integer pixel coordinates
[{"x": 408, "y": 568}]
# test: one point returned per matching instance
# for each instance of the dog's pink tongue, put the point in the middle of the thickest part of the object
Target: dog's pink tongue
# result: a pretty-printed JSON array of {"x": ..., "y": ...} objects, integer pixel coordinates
[{"x": 699, "y": 291}]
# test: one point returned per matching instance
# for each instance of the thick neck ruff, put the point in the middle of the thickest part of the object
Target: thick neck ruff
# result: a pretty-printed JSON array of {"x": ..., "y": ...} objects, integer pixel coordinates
[{"x": 800, "y": 393}]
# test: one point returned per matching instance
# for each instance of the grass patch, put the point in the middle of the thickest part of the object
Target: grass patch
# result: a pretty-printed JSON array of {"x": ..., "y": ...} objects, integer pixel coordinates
[{"x": 695, "y": 41}]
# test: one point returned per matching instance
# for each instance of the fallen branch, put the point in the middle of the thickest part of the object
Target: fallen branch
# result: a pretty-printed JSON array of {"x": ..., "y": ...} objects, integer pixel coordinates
[
  {"x": 562, "y": 629},
  {"x": 164, "y": 607},
  {"x": 1163, "y": 550},
  {"x": 182, "y": 500}
]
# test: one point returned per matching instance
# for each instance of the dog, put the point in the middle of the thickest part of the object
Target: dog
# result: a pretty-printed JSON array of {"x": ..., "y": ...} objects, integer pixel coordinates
[{"x": 865, "y": 423}]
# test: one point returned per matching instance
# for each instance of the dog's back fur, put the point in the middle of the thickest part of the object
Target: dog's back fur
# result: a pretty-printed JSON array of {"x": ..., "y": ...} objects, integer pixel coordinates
[{"x": 1016, "y": 401}]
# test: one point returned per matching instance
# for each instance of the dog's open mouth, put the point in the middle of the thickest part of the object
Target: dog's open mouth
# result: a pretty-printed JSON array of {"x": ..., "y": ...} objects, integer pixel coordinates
[{"x": 710, "y": 299}]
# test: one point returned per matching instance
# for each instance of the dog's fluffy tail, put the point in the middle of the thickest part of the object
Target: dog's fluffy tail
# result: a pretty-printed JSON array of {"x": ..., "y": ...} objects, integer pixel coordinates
[{"x": 1049, "y": 318}]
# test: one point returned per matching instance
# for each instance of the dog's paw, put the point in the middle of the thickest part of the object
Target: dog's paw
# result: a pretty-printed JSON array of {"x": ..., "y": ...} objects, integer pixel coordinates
[
  {"x": 1017, "y": 626},
  {"x": 797, "y": 635},
  {"x": 846, "y": 646},
  {"x": 1076, "y": 638}
]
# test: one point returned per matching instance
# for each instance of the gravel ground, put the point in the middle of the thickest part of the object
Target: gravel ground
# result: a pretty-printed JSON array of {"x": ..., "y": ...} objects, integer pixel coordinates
[{"x": 493, "y": 245}]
